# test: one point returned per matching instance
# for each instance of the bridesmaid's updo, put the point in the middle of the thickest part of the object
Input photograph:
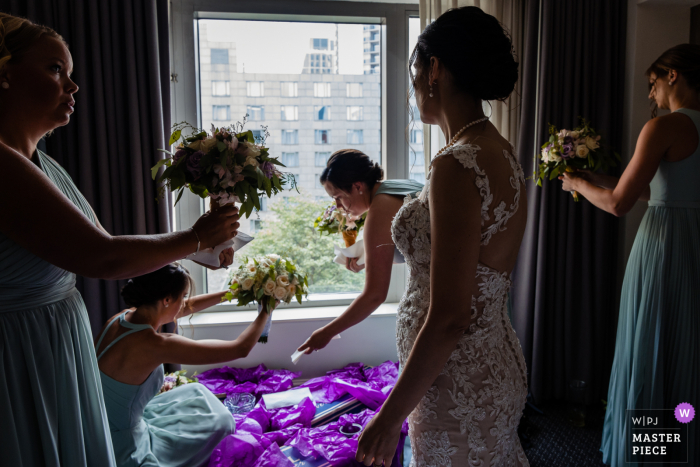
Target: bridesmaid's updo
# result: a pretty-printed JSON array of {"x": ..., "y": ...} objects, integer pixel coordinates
[
  {"x": 348, "y": 166},
  {"x": 169, "y": 281},
  {"x": 18, "y": 35},
  {"x": 684, "y": 58},
  {"x": 476, "y": 50}
]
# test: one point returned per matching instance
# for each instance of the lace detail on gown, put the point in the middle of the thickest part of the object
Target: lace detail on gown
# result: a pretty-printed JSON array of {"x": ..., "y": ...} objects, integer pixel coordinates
[{"x": 470, "y": 415}]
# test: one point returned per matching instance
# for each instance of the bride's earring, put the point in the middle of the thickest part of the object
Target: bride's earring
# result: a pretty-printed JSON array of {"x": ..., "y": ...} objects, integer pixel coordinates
[
  {"x": 431, "y": 89},
  {"x": 5, "y": 85}
]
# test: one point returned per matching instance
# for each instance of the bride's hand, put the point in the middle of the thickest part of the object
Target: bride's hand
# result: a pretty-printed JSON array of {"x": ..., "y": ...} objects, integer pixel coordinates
[
  {"x": 378, "y": 442},
  {"x": 351, "y": 265},
  {"x": 318, "y": 340}
]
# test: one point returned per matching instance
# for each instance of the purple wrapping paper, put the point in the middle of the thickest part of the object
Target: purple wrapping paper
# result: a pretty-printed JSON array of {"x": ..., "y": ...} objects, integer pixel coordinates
[{"x": 260, "y": 432}]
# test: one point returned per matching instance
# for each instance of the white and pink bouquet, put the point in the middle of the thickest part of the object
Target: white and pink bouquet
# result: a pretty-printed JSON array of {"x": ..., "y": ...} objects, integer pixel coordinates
[
  {"x": 568, "y": 150},
  {"x": 225, "y": 164},
  {"x": 173, "y": 380},
  {"x": 335, "y": 220}
]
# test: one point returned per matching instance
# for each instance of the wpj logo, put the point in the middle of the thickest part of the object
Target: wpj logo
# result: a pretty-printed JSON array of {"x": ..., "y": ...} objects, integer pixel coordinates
[{"x": 658, "y": 435}]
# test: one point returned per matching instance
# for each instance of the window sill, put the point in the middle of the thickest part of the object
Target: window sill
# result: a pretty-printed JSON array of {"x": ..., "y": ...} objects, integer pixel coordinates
[{"x": 298, "y": 314}]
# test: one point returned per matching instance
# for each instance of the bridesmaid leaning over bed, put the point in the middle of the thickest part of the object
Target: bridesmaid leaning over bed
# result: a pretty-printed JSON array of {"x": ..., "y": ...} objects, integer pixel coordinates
[
  {"x": 51, "y": 402},
  {"x": 180, "y": 427},
  {"x": 658, "y": 347}
]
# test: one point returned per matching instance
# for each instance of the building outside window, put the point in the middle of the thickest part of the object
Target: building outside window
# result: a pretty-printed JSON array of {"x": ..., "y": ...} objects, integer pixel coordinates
[
  {"x": 418, "y": 176},
  {"x": 290, "y": 159},
  {"x": 355, "y": 137},
  {"x": 321, "y": 159},
  {"x": 255, "y": 88},
  {"x": 322, "y": 136},
  {"x": 322, "y": 112},
  {"x": 417, "y": 159},
  {"x": 289, "y": 89},
  {"x": 219, "y": 56},
  {"x": 354, "y": 89},
  {"x": 417, "y": 136},
  {"x": 220, "y": 88},
  {"x": 258, "y": 135},
  {"x": 289, "y": 112},
  {"x": 221, "y": 112},
  {"x": 256, "y": 113},
  {"x": 257, "y": 225},
  {"x": 290, "y": 136},
  {"x": 322, "y": 89},
  {"x": 354, "y": 113}
]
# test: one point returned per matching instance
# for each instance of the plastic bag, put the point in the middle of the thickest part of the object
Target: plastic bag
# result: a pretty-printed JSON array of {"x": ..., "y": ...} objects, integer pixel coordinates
[{"x": 257, "y": 380}]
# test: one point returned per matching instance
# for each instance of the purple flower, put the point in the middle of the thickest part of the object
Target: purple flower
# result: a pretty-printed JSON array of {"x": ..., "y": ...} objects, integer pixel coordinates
[
  {"x": 179, "y": 154},
  {"x": 567, "y": 150},
  {"x": 169, "y": 379},
  {"x": 268, "y": 168},
  {"x": 193, "y": 164}
]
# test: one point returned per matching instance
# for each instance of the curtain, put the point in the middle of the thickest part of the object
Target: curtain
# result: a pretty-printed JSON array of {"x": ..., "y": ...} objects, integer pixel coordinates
[
  {"x": 122, "y": 117},
  {"x": 565, "y": 296},
  {"x": 504, "y": 115}
]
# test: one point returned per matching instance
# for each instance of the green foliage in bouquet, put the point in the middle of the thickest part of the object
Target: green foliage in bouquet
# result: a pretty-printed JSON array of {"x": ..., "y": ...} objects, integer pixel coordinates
[{"x": 335, "y": 220}]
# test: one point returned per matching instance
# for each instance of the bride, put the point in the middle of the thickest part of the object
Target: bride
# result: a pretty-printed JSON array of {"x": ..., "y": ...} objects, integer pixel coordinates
[{"x": 463, "y": 382}]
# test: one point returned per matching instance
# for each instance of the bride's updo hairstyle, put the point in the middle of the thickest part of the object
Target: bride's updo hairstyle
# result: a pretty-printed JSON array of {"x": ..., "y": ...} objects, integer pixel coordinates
[
  {"x": 18, "y": 35},
  {"x": 476, "y": 50},
  {"x": 348, "y": 166},
  {"x": 169, "y": 281}
]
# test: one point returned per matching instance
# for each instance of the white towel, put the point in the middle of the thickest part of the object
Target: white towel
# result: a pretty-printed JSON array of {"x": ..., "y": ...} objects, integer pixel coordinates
[
  {"x": 353, "y": 251},
  {"x": 210, "y": 256}
]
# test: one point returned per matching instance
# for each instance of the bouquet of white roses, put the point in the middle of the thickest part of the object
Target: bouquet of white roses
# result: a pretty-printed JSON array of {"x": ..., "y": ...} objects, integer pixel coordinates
[
  {"x": 267, "y": 280},
  {"x": 568, "y": 150},
  {"x": 173, "y": 380},
  {"x": 334, "y": 220}
]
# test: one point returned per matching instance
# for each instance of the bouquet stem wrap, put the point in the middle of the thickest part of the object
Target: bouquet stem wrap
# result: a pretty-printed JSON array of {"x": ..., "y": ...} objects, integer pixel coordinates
[
  {"x": 262, "y": 308},
  {"x": 350, "y": 237}
]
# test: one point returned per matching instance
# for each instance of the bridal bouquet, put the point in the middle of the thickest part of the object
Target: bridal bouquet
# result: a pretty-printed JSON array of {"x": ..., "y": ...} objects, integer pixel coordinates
[
  {"x": 173, "y": 380},
  {"x": 335, "y": 220},
  {"x": 267, "y": 280},
  {"x": 568, "y": 150},
  {"x": 224, "y": 164}
]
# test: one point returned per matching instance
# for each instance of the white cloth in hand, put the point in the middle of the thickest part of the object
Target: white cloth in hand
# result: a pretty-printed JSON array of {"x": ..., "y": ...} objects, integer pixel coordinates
[
  {"x": 210, "y": 256},
  {"x": 353, "y": 251}
]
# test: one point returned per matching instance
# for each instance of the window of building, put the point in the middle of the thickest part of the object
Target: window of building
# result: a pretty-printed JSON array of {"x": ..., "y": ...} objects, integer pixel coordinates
[
  {"x": 355, "y": 137},
  {"x": 322, "y": 89},
  {"x": 220, "y": 88},
  {"x": 290, "y": 159},
  {"x": 322, "y": 112},
  {"x": 418, "y": 176},
  {"x": 322, "y": 136},
  {"x": 289, "y": 89},
  {"x": 354, "y": 89},
  {"x": 221, "y": 112},
  {"x": 256, "y": 225},
  {"x": 219, "y": 56},
  {"x": 263, "y": 203},
  {"x": 290, "y": 112},
  {"x": 321, "y": 159},
  {"x": 319, "y": 185},
  {"x": 290, "y": 136},
  {"x": 258, "y": 135},
  {"x": 417, "y": 159},
  {"x": 256, "y": 88},
  {"x": 256, "y": 113},
  {"x": 320, "y": 44},
  {"x": 417, "y": 136},
  {"x": 355, "y": 113}
]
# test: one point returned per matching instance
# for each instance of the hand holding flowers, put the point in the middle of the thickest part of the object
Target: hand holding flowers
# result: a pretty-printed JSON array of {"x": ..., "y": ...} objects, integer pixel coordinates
[{"x": 335, "y": 220}]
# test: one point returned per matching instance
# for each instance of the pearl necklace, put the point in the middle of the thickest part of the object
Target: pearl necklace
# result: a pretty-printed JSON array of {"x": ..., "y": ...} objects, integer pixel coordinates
[{"x": 454, "y": 138}]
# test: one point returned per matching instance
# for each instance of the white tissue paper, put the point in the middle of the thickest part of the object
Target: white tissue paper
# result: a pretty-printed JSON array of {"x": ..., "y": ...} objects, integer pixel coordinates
[
  {"x": 353, "y": 251},
  {"x": 210, "y": 256},
  {"x": 297, "y": 355},
  {"x": 286, "y": 398}
]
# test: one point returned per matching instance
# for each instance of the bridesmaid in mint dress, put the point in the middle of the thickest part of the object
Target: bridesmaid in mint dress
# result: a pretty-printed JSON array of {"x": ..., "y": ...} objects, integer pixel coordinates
[
  {"x": 356, "y": 185},
  {"x": 657, "y": 352},
  {"x": 51, "y": 400},
  {"x": 180, "y": 427}
]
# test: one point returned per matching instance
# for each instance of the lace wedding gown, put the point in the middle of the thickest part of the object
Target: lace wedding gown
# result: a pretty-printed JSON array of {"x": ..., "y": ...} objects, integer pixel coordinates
[{"x": 470, "y": 416}]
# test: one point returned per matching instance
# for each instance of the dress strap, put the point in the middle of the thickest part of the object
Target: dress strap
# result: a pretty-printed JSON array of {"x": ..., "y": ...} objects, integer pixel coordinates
[{"x": 122, "y": 322}]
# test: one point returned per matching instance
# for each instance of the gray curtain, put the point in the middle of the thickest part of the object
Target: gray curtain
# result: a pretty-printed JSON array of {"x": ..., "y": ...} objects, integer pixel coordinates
[
  {"x": 565, "y": 294},
  {"x": 122, "y": 117}
]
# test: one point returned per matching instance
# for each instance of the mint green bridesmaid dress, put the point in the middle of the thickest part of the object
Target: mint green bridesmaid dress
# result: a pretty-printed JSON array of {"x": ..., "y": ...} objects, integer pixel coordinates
[
  {"x": 51, "y": 407},
  {"x": 657, "y": 351},
  {"x": 180, "y": 427}
]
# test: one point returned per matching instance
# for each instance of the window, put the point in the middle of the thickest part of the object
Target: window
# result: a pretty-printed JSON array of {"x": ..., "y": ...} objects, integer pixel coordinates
[
  {"x": 256, "y": 113},
  {"x": 290, "y": 112},
  {"x": 256, "y": 88},
  {"x": 355, "y": 137},
  {"x": 321, "y": 159},
  {"x": 294, "y": 177},
  {"x": 355, "y": 113},
  {"x": 418, "y": 176},
  {"x": 322, "y": 112},
  {"x": 290, "y": 159},
  {"x": 322, "y": 89},
  {"x": 256, "y": 225},
  {"x": 289, "y": 89},
  {"x": 417, "y": 136},
  {"x": 263, "y": 203},
  {"x": 320, "y": 44},
  {"x": 319, "y": 185},
  {"x": 354, "y": 89},
  {"x": 220, "y": 88},
  {"x": 221, "y": 112},
  {"x": 417, "y": 159},
  {"x": 258, "y": 135},
  {"x": 322, "y": 136},
  {"x": 290, "y": 136},
  {"x": 219, "y": 56}
]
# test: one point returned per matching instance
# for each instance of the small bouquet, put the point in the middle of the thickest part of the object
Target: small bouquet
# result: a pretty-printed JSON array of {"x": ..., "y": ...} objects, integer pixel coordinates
[
  {"x": 568, "y": 150},
  {"x": 225, "y": 164},
  {"x": 173, "y": 380},
  {"x": 267, "y": 280},
  {"x": 335, "y": 220}
]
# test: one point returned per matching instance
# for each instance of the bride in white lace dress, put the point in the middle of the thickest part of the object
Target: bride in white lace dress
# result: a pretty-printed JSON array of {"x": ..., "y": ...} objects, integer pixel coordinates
[{"x": 463, "y": 383}]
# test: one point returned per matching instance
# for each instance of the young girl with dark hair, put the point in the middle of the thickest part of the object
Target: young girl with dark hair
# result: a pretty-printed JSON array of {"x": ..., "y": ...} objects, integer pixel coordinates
[
  {"x": 356, "y": 185},
  {"x": 182, "y": 426},
  {"x": 657, "y": 349}
]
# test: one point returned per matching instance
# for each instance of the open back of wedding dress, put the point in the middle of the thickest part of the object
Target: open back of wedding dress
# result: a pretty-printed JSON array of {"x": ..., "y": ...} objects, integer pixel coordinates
[{"x": 470, "y": 415}]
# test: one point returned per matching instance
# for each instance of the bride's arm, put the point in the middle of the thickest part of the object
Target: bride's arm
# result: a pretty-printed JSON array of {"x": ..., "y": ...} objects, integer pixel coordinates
[{"x": 455, "y": 210}]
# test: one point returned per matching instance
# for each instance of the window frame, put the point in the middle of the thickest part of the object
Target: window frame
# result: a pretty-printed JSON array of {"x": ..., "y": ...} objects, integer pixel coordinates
[{"x": 185, "y": 92}]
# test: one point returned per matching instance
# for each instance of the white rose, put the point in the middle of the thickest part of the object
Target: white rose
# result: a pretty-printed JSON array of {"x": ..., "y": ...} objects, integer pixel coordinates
[
  {"x": 292, "y": 290},
  {"x": 280, "y": 293},
  {"x": 283, "y": 281},
  {"x": 269, "y": 288},
  {"x": 545, "y": 156},
  {"x": 247, "y": 283},
  {"x": 574, "y": 134},
  {"x": 581, "y": 151},
  {"x": 251, "y": 161},
  {"x": 273, "y": 257},
  {"x": 249, "y": 149},
  {"x": 196, "y": 145},
  {"x": 554, "y": 157},
  {"x": 252, "y": 268},
  {"x": 591, "y": 143},
  {"x": 208, "y": 144}
]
